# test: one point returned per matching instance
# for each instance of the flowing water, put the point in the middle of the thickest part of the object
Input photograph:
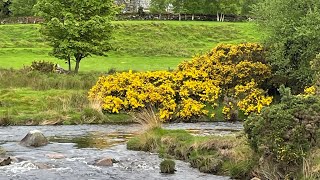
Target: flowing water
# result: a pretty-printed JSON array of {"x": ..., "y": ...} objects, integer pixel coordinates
[{"x": 82, "y": 145}]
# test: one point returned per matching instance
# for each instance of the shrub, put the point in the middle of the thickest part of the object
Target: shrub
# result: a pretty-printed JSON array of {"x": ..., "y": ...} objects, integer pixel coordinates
[
  {"x": 43, "y": 66},
  {"x": 284, "y": 133},
  {"x": 234, "y": 71}
]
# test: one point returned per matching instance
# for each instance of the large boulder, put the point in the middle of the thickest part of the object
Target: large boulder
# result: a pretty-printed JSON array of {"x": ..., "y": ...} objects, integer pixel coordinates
[{"x": 34, "y": 138}]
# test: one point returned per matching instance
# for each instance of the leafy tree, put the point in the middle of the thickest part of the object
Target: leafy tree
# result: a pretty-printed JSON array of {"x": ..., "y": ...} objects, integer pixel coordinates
[
  {"x": 194, "y": 7},
  {"x": 23, "y": 7},
  {"x": 4, "y": 8},
  {"x": 179, "y": 7},
  {"x": 77, "y": 28},
  {"x": 220, "y": 8},
  {"x": 246, "y": 6},
  {"x": 159, "y": 6},
  {"x": 293, "y": 37}
]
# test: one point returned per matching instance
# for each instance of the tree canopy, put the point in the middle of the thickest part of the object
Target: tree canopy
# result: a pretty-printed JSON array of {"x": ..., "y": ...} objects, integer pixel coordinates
[
  {"x": 214, "y": 7},
  {"x": 77, "y": 28},
  {"x": 23, "y": 7},
  {"x": 293, "y": 38},
  {"x": 5, "y": 8}
]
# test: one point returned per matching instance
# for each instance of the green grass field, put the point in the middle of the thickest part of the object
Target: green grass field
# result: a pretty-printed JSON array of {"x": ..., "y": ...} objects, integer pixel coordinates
[
  {"x": 34, "y": 98},
  {"x": 138, "y": 45}
]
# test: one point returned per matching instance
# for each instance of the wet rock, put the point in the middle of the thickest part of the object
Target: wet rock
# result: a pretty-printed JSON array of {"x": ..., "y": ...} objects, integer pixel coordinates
[
  {"x": 42, "y": 166},
  {"x": 34, "y": 138},
  {"x": 255, "y": 178},
  {"x": 5, "y": 162},
  {"x": 17, "y": 159},
  {"x": 105, "y": 162},
  {"x": 55, "y": 156}
]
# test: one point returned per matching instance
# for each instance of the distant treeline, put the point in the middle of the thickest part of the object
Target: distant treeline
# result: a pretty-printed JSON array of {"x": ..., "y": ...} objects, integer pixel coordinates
[
  {"x": 22, "y": 11},
  {"x": 135, "y": 16},
  {"x": 182, "y": 17}
]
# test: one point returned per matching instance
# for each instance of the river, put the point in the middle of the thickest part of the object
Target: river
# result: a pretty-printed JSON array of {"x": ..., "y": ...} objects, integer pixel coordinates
[{"x": 81, "y": 145}]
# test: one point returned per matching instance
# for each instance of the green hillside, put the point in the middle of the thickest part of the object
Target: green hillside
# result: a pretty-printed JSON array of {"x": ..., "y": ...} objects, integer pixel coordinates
[{"x": 138, "y": 45}]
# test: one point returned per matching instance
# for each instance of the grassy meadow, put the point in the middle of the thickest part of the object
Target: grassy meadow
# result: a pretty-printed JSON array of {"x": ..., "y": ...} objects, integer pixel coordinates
[
  {"x": 35, "y": 98},
  {"x": 138, "y": 45}
]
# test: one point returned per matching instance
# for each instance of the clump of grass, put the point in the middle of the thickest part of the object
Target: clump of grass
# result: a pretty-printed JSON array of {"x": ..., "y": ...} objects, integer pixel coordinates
[
  {"x": 167, "y": 166},
  {"x": 147, "y": 118},
  {"x": 311, "y": 165}
]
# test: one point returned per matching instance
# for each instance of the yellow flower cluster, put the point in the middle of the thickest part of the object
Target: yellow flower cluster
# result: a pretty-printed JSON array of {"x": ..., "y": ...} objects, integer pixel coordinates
[
  {"x": 310, "y": 90},
  {"x": 228, "y": 70},
  {"x": 251, "y": 98}
]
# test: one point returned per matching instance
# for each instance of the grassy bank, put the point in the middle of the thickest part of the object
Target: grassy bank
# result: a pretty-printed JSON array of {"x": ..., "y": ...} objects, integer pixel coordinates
[
  {"x": 220, "y": 155},
  {"x": 138, "y": 45},
  {"x": 227, "y": 155},
  {"x": 33, "y": 98},
  {"x": 24, "y": 106}
]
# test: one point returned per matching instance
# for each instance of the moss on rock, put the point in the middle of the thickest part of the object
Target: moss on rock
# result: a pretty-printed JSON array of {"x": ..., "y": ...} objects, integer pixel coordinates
[{"x": 167, "y": 166}]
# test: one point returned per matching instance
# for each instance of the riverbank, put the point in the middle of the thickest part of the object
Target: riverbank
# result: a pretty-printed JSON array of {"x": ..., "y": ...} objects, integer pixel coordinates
[
  {"x": 227, "y": 155},
  {"x": 221, "y": 155}
]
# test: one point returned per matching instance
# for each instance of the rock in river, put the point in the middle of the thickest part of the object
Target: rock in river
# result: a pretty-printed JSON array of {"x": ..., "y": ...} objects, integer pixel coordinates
[
  {"x": 55, "y": 156},
  {"x": 105, "y": 162},
  {"x": 6, "y": 161},
  {"x": 34, "y": 138}
]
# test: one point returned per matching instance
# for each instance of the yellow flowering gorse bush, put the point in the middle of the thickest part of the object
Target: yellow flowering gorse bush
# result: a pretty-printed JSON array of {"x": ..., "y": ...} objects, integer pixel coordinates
[{"x": 228, "y": 70}]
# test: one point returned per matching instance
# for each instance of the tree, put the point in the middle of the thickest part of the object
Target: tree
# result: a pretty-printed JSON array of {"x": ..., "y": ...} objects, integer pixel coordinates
[
  {"x": 293, "y": 36},
  {"x": 77, "y": 29},
  {"x": 179, "y": 7},
  {"x": 246, "y": 6},
  {"x": 194, "y": 7},
  {"x": 220, "y": 8},
  {"x": 5, "y": 8},
  {"x": 23, "y": 7},
  {"x": 159, "y": 6}
]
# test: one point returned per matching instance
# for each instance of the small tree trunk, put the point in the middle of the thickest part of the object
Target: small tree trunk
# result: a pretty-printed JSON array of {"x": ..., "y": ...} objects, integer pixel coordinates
[
  {"x": 185, "y": 16},
  {"x": 192, "y": 17},
  {"x": 160, "y": 16},
  {"x": 69, "y": 64},
  {"x": 76, "y": 68},
  {"x": 222, "y": 18},
  {"x": 218, "y": 18},
  {"x": 78, "y": 59},
  {"x": 179, "y": 17}
]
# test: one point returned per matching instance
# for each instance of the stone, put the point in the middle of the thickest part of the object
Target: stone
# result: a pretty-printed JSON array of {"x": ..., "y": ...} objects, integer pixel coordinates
[
  {"x": 34, "y": 138},
  {"x": 255, "y": 178},
  {"x": 5, "y": 161},
  {"x": 55, "y": 156},
  {"x": 17, "y": 159},
  {"x": 42, "y": 166},
  {"x": 104, "y": 162}
]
